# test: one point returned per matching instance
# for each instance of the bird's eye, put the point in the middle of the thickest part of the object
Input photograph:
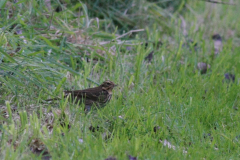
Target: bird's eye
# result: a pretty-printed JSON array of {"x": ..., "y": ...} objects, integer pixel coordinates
[{"x": 108, "y": 83}]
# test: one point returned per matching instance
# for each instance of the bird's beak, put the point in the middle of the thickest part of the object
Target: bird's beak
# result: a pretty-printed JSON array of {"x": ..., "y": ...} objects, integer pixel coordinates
[{"x": 115, "y": 85}]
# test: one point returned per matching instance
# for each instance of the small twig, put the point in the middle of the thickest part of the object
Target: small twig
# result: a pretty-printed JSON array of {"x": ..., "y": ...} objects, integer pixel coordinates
[
  {"x": 217, "y": 2},
  {"x": 130, "y": 32}
]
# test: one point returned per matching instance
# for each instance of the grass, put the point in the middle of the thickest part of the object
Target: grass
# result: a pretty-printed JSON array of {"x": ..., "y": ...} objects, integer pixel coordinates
[{"x": 167, "y": 100}]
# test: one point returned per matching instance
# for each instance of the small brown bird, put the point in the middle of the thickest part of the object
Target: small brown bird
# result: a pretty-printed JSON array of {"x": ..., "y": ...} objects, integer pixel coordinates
[{"x": 97, "y": 96}]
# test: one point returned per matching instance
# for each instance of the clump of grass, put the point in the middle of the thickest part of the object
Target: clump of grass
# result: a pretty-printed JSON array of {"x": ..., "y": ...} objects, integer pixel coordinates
[{"x": 128, "y": 15}]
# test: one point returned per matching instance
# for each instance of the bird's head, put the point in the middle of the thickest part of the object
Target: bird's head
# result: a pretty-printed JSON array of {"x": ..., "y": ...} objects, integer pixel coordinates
[{"x": 108, "y": 85}]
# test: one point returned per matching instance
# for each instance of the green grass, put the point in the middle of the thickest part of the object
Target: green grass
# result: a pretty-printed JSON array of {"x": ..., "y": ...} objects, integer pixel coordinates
[{"x": 198, "y": 114}]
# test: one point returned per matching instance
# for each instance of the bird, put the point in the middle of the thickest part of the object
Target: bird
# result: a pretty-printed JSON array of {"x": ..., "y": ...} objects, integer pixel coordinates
[{"x": 97, "y": 96}]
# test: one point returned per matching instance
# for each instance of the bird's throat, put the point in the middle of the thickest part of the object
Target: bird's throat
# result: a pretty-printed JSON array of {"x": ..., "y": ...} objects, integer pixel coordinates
[{"x": 109, "y": 90}]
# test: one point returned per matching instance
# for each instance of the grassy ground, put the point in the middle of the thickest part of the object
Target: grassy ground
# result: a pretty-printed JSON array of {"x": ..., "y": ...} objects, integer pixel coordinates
[{"x": 165, "y": 109}]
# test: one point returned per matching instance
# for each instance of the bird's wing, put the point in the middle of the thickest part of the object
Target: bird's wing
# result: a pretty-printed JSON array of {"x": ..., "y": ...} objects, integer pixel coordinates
[{"x": 93, "y": 95}]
